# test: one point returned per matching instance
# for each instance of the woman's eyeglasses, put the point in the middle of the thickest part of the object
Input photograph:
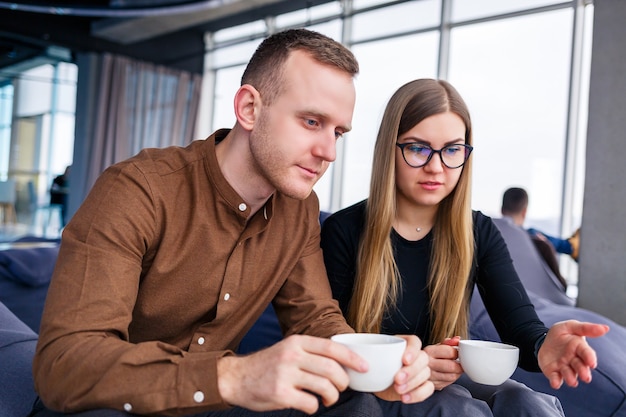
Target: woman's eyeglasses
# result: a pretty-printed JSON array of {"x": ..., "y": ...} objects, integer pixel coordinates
[{"x": 452, "y": 156}]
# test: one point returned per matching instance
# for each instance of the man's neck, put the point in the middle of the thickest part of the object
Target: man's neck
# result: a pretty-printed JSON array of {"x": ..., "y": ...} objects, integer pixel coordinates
[
  {"x": 234, "y": 159},
  {"x": 517, "y": 219}
]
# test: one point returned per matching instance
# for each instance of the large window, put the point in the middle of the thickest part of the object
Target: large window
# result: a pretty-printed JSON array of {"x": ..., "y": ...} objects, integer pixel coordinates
[
  {"x": 385, "y": 66},
  {"x": 521, "y": 65},
  {"x": 37, "y": 137},
  {"x": 517, "y": 90},
  {"x": 6, "y": 111}
]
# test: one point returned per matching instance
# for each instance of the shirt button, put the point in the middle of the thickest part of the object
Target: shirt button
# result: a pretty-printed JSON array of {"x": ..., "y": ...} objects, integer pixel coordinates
[
  {"x": 226, "y": 296},
  {"x": 198, "y": 396},
  {"x": 201, "y": 340},
  {"x": 128, "y": 407},
  {"x": 242, "y": 207}
]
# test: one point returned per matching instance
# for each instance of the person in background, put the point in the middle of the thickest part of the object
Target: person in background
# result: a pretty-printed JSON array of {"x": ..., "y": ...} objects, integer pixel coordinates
[
  {"x": 176, "y": 252},
  {"x": 407, "y": 259},
  {"x": 59, "y": 191},
  {"x": 515, "y": 205}
]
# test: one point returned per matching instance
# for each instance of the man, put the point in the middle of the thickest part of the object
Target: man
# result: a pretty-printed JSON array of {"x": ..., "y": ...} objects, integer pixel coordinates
[
  {"x": 59, "y": 193},
  {"x": 515, "y": 204},
  {"x": 176, "y": 252}
]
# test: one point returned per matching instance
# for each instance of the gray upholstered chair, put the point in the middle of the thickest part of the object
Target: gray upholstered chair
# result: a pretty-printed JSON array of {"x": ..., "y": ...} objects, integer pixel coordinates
[
  {"x": 535, "y": 274},
  {"x": 17, "y": 348}
]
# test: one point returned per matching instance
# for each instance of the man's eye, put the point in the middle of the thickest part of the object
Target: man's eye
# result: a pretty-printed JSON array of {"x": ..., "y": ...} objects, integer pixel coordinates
[{"x": 311, "y": 122}]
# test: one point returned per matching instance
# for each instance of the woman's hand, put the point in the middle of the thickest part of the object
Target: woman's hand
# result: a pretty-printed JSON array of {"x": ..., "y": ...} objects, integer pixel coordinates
[
  {"x": 411, "y": 383},
  {"x": 565, "y": 355},
  {"x": 444, "y": 367}
]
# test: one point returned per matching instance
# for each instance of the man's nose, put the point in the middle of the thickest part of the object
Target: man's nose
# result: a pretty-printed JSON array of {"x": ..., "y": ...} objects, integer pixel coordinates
[{"x": 326, "y": 147}]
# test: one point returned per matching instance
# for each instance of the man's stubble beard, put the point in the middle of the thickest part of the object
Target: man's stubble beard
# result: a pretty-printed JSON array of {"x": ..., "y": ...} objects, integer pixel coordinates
[{"x": 271, "y": 162}]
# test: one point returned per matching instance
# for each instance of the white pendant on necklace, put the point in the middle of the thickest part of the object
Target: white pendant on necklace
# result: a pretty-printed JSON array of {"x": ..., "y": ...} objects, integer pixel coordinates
[{"x": 419, "y": 229}]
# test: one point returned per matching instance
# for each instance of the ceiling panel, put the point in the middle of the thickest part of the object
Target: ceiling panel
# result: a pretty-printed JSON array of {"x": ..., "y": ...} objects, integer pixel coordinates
[{"x": 168, "y": 32}]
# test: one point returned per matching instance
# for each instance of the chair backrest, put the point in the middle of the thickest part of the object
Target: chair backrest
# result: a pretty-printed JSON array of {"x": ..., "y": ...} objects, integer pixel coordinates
[
  {"x": 534, "y": 273},
  {"x": 17, "y": 348},
  {"x": 8, "y": 191}
]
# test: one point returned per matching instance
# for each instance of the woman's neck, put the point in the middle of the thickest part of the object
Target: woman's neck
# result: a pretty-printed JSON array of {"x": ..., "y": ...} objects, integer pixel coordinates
[{"x": 412, "y": 222}]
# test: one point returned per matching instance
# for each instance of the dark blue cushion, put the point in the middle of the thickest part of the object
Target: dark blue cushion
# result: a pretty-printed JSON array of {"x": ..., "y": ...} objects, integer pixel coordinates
[
  {"x": 28, "y": 263},
  {"x": 17, "y": 348},
  {"x": 25, "y": 274},
  {"x": 265, "y": 332}
]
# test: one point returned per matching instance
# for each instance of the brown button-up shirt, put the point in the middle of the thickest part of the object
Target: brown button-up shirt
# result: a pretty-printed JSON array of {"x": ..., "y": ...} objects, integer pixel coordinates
[{"x": 160, "y": 273}]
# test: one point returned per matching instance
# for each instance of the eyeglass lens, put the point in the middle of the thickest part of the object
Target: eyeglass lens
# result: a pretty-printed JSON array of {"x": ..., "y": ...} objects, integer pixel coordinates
[{"x": 453, "y": 156}]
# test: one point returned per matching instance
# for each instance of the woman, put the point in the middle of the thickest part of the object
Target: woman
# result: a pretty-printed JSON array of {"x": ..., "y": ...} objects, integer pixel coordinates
[{"x": 406, "y": 260}]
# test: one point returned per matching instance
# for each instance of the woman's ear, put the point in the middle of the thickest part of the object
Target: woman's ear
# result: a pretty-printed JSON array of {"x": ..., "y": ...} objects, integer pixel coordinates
[{"x": 247, "y": 103}]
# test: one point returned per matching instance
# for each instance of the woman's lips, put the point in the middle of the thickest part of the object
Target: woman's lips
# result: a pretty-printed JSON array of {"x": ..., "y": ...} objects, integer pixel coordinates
[{"x": 430, "y": 185}]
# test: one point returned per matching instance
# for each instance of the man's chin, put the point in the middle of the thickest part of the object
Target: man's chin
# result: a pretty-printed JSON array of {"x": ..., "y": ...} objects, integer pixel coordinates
[
  {"x": 301, "y": 193},
  {"x": 299, "y": 196}
]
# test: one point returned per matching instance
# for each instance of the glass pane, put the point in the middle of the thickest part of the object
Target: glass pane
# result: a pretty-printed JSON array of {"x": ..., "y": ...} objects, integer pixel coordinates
[
  {"x": 227, "y": 81},
  {"x": 6, "y": 104},
  {"x": 385, "y": 66},
  {"x": 408, "y": 16},
  {"x": 304, "y": 16},
  {"x": 34, "y": 94},
  {"x": 234, "y": 55},
  {"x": 6, "y": 109},
  {"x": 514, "y": 76},
  {"x": 62, "y": 148},
  {"x": 473, "y": 9},
  {"x": 363, "y": 4},
  {"x": 236, "y": 32},
  {"x": 66, "y": 99},
  {"x": 5, "y": 144},
  {"x": 26, "y": 149},
  {"x": 331, "y": 29}
]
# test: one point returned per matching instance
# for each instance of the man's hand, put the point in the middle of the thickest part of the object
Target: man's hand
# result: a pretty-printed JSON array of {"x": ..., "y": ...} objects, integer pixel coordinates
[
  {"x": 444, "y": 367},
  {"x": 288, "y": 374},
  {"x": 565, "y": 355},
  {"x": 411, "y": 383}
]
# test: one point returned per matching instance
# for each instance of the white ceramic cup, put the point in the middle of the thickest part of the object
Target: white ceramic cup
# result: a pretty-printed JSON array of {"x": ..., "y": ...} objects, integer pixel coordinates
[
  {"x": 383, "y": 354},
  {"x": 489, "y": 363}
]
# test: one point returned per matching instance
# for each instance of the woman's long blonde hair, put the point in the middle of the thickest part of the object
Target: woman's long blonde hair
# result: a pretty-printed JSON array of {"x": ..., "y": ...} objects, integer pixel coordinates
[{"x": 378, "y": 283}]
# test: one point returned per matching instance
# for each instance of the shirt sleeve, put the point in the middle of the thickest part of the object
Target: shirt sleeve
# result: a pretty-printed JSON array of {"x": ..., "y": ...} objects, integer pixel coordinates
[
  {"x": 504, "y": 295},
  {"x": 85, "y": 359}
]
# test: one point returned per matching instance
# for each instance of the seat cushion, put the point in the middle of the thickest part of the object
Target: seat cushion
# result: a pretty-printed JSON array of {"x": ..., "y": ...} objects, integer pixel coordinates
[
  {"x": 26, "y": 267},
  {"x": 17, "y": 348}
]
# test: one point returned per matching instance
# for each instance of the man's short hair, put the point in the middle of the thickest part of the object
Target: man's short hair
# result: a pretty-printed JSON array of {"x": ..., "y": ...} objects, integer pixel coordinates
[
  {"x": 265, "y": 69},
  {"x": 514, "y": 200}
]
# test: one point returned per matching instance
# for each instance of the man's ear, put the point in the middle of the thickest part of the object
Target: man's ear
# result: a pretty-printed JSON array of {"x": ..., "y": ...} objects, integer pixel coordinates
[{"x": 247, "y": 105}]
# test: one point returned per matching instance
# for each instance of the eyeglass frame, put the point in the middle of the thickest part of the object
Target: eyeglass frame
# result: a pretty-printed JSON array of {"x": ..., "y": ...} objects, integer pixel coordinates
[{"x": 468, "y": 152}]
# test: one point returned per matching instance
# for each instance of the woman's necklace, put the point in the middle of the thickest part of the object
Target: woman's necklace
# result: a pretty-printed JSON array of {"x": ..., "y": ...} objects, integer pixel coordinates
[{"x": 405, "y": 231}]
